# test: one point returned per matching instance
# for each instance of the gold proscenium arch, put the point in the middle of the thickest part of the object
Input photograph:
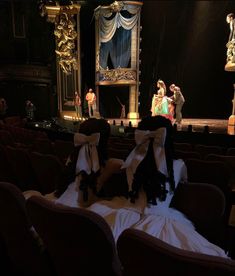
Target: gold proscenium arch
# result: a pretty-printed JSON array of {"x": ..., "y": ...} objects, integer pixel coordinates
[{"x": 67, "y": 39}]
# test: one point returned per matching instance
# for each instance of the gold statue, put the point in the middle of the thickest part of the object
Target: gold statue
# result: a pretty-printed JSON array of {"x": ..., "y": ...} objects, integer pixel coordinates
[
  {"x": 230, "y": 66},
  {"x": 66, "y": 34}
]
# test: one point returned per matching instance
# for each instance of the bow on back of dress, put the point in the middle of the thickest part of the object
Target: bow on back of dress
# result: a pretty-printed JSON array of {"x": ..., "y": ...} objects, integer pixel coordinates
[
  {"x": 142, "y": 139},
  {"x": 88, "y": 159}
]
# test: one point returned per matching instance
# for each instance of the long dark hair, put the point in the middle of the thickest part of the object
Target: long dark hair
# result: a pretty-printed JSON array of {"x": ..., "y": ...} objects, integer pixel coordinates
[
  {"x": 147, "y": 174},
  {"x": 88, "y": 127}
]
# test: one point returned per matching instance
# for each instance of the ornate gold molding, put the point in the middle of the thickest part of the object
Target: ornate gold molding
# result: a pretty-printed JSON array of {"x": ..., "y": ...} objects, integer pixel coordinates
[
  {"x": 65, "y": 33},
  {"x": 119, "y": 74}
]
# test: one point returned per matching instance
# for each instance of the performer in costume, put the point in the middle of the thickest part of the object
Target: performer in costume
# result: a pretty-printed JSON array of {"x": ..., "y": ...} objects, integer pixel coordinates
[
  {"x": 77, "y": 105},
  {"x": 160, "y": 102},
  {"x": 91, "y": 100},
  {"x": 178, "y": 100},
  {"x": 29, "y": 109}
]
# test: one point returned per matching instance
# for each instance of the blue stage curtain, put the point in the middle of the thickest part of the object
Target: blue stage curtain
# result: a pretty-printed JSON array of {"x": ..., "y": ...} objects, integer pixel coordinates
[{"x": 115, "y": 37}]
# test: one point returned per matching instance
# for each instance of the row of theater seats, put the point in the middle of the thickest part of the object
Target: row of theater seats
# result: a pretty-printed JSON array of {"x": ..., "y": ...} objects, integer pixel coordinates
[
  {"x": 210, "y": 163},
  {"x": 76, "y": 241},
  {"x": 205, "y": 164},
  {"x": 121, "y": 147},
  {"x": 200, "y": 151},
  {"x": 30, "y": 170},
  {"x": 209, "y": 169}
]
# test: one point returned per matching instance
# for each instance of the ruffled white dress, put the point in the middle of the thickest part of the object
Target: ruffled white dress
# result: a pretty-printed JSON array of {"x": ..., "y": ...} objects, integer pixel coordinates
[{"x": 159, "y": 220}]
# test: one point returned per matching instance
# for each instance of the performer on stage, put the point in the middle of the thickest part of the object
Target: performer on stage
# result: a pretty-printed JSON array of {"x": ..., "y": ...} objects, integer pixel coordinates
[
  {"x": 29, "y": 109},
  {"x": 91, "y": 100},
  {"x": 123, "y": 109},
  {"x": 178, "y": 100},
  {"x": 160, "y": 102},
  {"x": 77, "y": 105}
]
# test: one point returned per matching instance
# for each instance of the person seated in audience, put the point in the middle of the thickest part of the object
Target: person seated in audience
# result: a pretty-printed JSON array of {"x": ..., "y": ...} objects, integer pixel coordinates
[
  {"x": 30, "y": 110},
  {"x": 3, "y": 108},
  {"x": 150, "y": 175},
  {"x": 87, "y": 166},
  {"x": 86, "y": 162}
]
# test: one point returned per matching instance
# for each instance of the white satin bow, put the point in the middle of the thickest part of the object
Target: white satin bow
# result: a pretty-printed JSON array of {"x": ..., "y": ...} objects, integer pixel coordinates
[
  {"x": 142, "y": 139},
  {"x": 88, "y": 159}
]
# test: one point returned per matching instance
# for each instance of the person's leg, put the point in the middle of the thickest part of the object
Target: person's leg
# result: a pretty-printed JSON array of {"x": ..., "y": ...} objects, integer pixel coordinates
[
  {"x": 89, "y": 109},
  {"x": 76, "y": 109},
  {"x": 79, "y": 111},
  {"x": 178, "y": 113},
  {"x": 93, "y": 109}
]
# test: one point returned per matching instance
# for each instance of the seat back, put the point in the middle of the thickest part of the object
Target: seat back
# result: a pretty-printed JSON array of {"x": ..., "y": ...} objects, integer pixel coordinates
[
  {"x": 6, "y": 173},
  {"x": 230, "y": 151},
  {"x": 43, "y": 145},
  {"x": 212, "y": 172},
  {"x": 204, "y": 150},
  {"x": 20, "y": 164},
  {"x": 183, "y": 146},
  {"x": 79, "y": 241},
  {"x": 142, "y": 254},
  {"x": 48, "y": 170},
  {"x": 16, "y": 231},
  {"x": 229, "y": 161},
  {"x": 63, "y": 149},
  {"x": 204, "y": 204},
  {"x": 187, "y": 154},
  {"x": 6, "y": 138}
]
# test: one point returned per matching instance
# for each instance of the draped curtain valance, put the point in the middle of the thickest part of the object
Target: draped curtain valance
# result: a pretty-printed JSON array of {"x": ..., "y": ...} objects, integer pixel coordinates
[
  {"x": 108, "y": 26},
  {"x": 115, "y": 27}
]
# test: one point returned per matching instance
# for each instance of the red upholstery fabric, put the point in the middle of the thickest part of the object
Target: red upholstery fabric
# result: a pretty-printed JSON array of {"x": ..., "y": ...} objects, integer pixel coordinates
[
  {"x": 25, "y": 255},
  {"x": 204, "y": 204},
  {"x": 142, "y": 254},
  {"x": 79, "y": 241}
]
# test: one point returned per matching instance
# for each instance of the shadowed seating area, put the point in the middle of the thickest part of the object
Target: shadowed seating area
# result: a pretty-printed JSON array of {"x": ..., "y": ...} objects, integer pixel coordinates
[
  {"x": 22, "y": 250},
  {"x": 117, "y": 138},
  {"x": 79, "y": 241},
  {"x": 141, "y": 253}
]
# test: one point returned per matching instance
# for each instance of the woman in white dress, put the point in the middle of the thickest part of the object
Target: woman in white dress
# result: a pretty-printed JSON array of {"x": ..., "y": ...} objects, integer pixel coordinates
[{"x": 151, "y": 175}]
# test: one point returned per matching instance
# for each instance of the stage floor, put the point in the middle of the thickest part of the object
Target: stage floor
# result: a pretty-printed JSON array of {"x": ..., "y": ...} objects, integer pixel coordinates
[{"x": 198, "y": 125}]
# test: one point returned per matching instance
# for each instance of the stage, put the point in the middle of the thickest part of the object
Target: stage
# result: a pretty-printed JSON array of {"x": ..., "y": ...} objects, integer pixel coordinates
[{"x": 198, "y": 125}]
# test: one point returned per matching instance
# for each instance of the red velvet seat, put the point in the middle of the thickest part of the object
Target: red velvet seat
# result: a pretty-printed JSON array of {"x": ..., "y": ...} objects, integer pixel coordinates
[
  {"x": 26, "y": 257},
  {"x": 63, "y": 149},
  {"x": 142, "y": 254},
  {"x": 21, "y": 168},
  {"x": 6, "y": 173},
  {"x": 204, "y": 150},
  {"x": 187, "y": 154},
  {"x": 48, "y": 170},
  {"x": 79, "y": 241},
  {"x": 204, "y": 204}
]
